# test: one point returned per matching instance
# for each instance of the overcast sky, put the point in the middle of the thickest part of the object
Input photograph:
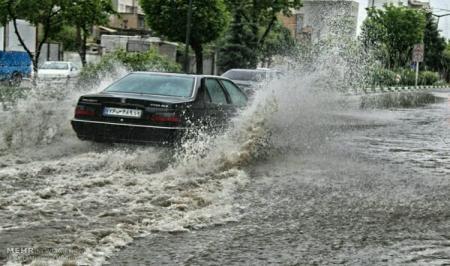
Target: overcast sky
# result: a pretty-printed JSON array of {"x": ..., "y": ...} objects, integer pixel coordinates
[{"x": 436, "y": 5}]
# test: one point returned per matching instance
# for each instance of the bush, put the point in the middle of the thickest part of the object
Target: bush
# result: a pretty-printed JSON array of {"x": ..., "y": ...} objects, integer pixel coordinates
[
  {"x": 441, "y": 82},
  {"x": 384, "y": 77},
  {"x": 407, "y": 76},
  {"x": 145, "y": 61},
  {"x": 428, "y": 78}
]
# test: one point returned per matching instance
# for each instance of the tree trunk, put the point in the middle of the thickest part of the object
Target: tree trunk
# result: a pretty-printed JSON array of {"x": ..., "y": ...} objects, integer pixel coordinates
[
  {"x": 198, "y": 50},
  {"x": 46, "y": 27},
  {"x": 84, "y": 48},
  {"x": 267, "y": 31},
  {"x": 81, "y": 43}
]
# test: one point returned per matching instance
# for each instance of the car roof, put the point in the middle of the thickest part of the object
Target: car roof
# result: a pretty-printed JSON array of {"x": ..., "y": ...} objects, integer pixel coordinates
[
  {"x": 252, "y": 70},
  {"x": 66, "y": 62},
  {"x": 179, "y": 74}
]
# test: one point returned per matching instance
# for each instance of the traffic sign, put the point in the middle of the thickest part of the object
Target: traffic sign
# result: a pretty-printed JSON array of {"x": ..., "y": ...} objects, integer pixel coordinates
[{"x": 418, "y": 52}]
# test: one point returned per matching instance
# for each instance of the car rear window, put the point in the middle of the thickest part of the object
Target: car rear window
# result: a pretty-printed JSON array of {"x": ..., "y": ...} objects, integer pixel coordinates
[
  {"x": 165, "y": 85},
  {"x": 55, "y": 65},
  {"x": 245, "y": 75}
]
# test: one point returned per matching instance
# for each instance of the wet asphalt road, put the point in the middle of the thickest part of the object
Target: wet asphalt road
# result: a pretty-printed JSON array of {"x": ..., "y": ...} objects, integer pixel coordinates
[
  {"x": 376, "y": 193},
  {"x": 363, "y": 187}
]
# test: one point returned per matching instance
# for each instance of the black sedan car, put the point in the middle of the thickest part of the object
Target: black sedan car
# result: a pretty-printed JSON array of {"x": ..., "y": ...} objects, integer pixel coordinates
[{"x": 155, "y": 107}]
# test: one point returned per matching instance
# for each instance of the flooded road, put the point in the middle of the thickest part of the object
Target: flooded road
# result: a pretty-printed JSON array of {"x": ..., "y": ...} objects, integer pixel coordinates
[
  {"x": 376, "y": 193},
  {"x": 335, "y": 186}
]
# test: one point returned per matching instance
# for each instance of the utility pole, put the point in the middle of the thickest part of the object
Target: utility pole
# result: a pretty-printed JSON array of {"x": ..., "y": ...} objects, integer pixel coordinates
[{"x": 188, "y": 38}]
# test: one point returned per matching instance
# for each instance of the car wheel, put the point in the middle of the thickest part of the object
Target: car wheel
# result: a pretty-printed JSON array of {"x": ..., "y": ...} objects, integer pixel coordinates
[{"x": 15, "y": 80}]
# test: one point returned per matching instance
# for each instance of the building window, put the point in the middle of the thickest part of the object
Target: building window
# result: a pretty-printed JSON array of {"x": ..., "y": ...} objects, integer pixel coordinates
[
  {"x": 299, "y": 23},
  {"x": 125, "y": 24},
  {"x": 129, "y": 9},
  {"x": 141, "y": 22}
]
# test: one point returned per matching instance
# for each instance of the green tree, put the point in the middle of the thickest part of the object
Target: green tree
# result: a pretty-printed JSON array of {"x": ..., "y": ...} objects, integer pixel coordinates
[
  {"x": 435, "y": 45},
  {"x": 278, "y": 42},
  {"x": 235, "y": 50},
  {"x": 446, "y": 62},
  {"x": 145, "y": 61},
  {"x": 45, "y": 14},
  {"x": 209, "y": 19},
  {"x": 66, "y": 35},
  {"x": 392, "y": 32},
  {"x": 261, "y": 16},
  {"x": 84, "y": 15}
]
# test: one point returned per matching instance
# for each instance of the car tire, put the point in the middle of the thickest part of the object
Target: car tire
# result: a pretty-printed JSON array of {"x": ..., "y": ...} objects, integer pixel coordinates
[{"x": 15, "y": 80}]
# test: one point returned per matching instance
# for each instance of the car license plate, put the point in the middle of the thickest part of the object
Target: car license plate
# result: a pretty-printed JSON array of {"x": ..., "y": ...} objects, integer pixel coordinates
[{"x": 122, "y": 112}]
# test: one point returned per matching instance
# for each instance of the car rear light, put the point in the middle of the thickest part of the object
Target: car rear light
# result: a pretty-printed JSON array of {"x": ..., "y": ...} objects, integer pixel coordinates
[
  {"x": 84, "y": 111},
  {"x": 165, "y": 118}
]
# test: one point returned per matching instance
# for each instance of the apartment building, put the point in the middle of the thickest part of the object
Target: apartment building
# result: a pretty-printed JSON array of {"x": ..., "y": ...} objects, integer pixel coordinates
[{"x": 130, "y": 16}]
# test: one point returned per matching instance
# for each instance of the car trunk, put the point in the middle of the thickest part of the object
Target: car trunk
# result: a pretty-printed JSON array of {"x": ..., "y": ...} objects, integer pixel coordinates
[{"x": 132, "y": 109}]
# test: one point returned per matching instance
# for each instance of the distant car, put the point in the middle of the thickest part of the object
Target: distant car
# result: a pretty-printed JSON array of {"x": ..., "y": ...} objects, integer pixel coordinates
[
  {"x": 57, "y": 70},
  {"x": 155, "y": 107},
  {"x": 15, "y": 66},
  {"x": 249, "y": 79}
]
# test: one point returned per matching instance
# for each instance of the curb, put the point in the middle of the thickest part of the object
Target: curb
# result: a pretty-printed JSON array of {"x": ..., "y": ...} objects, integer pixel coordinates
[{"x": 375, "y": 90}]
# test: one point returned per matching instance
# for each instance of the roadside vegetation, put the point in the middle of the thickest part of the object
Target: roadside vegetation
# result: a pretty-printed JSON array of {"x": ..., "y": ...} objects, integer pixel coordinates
[
  {"x": 54, "y": 18},
  {"x": 91, "y": 74},
  {"x": 389, "y": 35},
  {"x": 246, "y": 34}
]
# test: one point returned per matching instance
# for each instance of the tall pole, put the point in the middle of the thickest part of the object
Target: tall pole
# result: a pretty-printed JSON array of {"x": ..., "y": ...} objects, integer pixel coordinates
[
  {"x": 417, "y": 72},
  {"x": 188, "y": 38}
]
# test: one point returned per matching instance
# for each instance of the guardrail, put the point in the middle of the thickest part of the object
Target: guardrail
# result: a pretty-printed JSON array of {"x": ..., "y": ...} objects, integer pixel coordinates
[{"x": 359, "y": 91}]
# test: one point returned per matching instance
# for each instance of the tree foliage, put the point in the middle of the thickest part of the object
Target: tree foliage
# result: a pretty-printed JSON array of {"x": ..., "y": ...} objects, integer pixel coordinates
[
  {"x": 46, "y": 14},
  {"x": 446, "y": 62},
  {"x": 66, "y": 35},
  {"x": 278, "y": 42},
  {"x": 84, "y": 15},
  {"x": 145, "y": 61},
  {"x": 392, "y": 32},
  {"x": 209, "y": 20},
  {"x": 257, "y": 19},
  {"x": 434, "y": 45},
  {"x": 53, "y": 17},
  {"x": 235, "y": 49}
]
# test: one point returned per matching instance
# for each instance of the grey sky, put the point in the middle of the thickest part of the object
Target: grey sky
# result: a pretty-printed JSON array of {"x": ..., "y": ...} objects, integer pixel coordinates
[
  {"x": 436, "y": 5},
  {"x": 444, "y": 22}
]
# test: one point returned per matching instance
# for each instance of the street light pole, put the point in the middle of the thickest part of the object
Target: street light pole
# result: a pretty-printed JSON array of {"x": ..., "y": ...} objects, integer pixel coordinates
[
  {"x": 439, "y": 17},
  {"x": 188, "y": 38}
]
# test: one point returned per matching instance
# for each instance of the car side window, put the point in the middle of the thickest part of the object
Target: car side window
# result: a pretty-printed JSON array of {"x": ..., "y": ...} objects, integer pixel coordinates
[
  {"x": 237, "y": 96},
  {"x": 215, "y": 91}
]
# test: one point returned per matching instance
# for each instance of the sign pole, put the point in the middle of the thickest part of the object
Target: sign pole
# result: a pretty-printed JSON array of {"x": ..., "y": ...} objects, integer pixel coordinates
[
  {"x": 417, "y": 57},
  {"x": 417, "y": 72}
]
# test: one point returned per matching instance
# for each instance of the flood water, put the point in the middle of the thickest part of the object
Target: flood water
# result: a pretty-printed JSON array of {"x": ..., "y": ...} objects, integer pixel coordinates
[
  {"x": 304, "y": 179},
  {"x": 377, "y": 193}
]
